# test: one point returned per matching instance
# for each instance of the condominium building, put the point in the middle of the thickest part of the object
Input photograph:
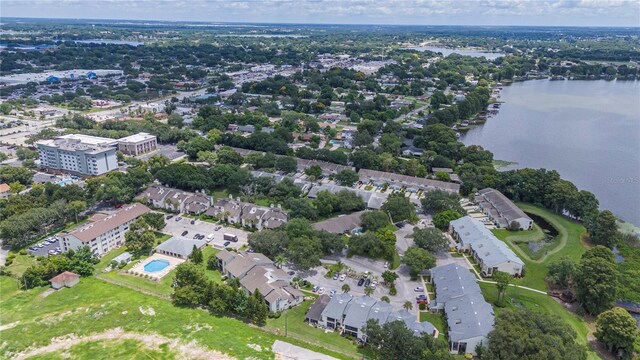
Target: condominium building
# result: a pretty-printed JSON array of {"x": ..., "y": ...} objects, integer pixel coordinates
[
  {"x": 137, "y": 144},
  {"x": 105, "y": 234},
  {"x": 80, "y": 154}
]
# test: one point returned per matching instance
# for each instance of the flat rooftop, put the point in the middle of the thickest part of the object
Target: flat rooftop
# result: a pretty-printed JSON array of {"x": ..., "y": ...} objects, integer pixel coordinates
[
  {"x": 137, "y": 138},
  {"x": 90, "y": 140}
]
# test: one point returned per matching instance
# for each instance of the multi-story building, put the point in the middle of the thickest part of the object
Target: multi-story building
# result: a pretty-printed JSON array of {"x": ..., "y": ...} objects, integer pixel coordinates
[
  {"x": 175, "y": 200},
  {"x": 137, "y": 144},
  {"x": 79, "y": 154},
  {"x": 105, "y": 234}
]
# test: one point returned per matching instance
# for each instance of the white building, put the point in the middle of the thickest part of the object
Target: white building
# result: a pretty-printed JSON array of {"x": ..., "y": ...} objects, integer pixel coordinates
[
  {"x": 488, "y": 251},
  {"x": 103, "y": 235},
  {"x": 80, "y": 154},
  {"x": 137, "y": 144}
]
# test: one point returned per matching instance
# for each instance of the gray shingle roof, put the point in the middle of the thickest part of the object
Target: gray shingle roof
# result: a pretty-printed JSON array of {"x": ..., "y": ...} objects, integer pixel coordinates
[
  {"x": 367, "y": 175},
  {"x": 180, "y": 245},
  {"x": 503, "y": 205},
  {"x": 487, "y": 246},
  {"x": 315, "y": 309},
  {"x": 451, "y": 281},
  {"x": 358, "y": 311},
  {"x": 335, "y": 308},
  {"x": 341, "y": 224}
]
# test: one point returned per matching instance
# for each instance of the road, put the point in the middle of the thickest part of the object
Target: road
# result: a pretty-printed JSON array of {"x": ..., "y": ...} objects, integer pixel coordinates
[
  {"x": 18, "y": 135},
  {"x": 411, "y": 113}
]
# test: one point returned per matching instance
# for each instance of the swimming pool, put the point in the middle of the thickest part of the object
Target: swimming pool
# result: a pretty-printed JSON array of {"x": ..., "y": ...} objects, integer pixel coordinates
[
  {"x": 156, "y": 265},
  {"x": 65, "y": 182}
]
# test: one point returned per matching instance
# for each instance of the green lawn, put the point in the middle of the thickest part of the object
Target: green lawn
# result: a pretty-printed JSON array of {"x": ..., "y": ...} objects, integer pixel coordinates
[
  {"x": 520, "y": 298},
  {"x": 436, "y": 320},
  {"x": 297, "y": 328},
  {"x": 21, "y": 263},
  {"x": 94, "y": 306},
  {"x": 569, "y": 245},
  {"x": 523, "y": 238},
  {"x": 111, "y": 349}
]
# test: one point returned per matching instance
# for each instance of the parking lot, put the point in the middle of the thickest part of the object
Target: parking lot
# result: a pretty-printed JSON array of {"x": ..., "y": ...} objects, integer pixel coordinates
[
  {"x": 44, "y": 250},
  {"x": 404, "y": 285},
  {"x": 176, "y": 228}
]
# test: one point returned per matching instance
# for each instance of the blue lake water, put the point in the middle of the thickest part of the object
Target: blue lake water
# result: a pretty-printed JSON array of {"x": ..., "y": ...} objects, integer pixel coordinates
[
  {"x": 589, "y": 131},
  {"x": 155, "y": 265}
]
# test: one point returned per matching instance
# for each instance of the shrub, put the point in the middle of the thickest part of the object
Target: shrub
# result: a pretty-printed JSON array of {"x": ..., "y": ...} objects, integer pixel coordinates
[
  {"x": 393, "y": 291},
  {"x": 23, "y": 252},
  {"x": 422, "y": 306}
]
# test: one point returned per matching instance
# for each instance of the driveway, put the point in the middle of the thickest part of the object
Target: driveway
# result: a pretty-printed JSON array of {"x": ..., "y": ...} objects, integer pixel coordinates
[{"x": 176, "y": 228}]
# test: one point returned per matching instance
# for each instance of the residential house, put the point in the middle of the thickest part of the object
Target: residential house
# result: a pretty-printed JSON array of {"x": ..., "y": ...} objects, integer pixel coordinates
[
  {"x": 470, "y": 318},
  {"x": 252, "y": 215},
  {"x": 274, "y": 218},
  {"x": 490, "y": 253},
  {"x": 175, "y": 200},
  {"x": 5, "y": 191},
  {"x": 226, "y": 209},
  {"x": 65, "y": 279},
  {"x": 314, "y": 314},
  {"x": 503, "y": 211},
  {"x": 373, "y": 200},
  {"x": 379, "y": 178},
  {"x": 350, "y": 314},
  {"x": 105, "y": 234},
  {"x": 197, "y": 203},
  {"x": 257, "y": 272},
  {"x": 343, "y": 224},
  {"x": 248, "y": 215}
]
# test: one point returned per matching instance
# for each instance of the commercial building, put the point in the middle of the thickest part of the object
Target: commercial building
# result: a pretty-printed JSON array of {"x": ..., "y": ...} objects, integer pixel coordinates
[
  {"x": 104, "y": 234},
  {"x": 137, "y": 144},
  {"x": 502, "y": 211},
  {"x": 78, "y": 154},
  {"x": 257, "y": 272},
  {"x": 469, "y": 317},
  {"x": 490, "y": 253}
]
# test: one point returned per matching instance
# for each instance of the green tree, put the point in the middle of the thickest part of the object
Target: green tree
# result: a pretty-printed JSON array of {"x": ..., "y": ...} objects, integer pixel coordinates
[
  {"x": 596, "y": 284},
  {"x": 305, "y": 252},
  {"x": 346, "y": 288},
  {"x": 154, "y": 220},
  {"x": 313, "y": 171},
  {"x": 394, "y": 340},
  {"x": 280, "y": 260},
  {"x": 192, "y": 287},
  {"x": 443, "y": 176},
  {"x": 175, "y": 120},
  {"x": 525, "y": 334},
  {"x": 347, "y": 177},
  {"x": 435, "y": 201},
  {"x": 256, "y": 310},
  {"x": 157, "y": 162},
  {"x": 16, "y": 187},
  {"x": 561, "y": 272},
  {"x": 441, "y": 220},
  {"x": 407, "y": 305},
  {"x": 603, "y": 228},
  {"x": 368, "y": 290},
  {"x": 430, "y": 239},
  {"x": 269, "y": 242},
  {"x": 196, "y": 255},
  {"x": 374, "y": 220},
  {"x": 77, "y": 206},
  {"x": 617, "y": 330},
  {"x": 399, "y": 207},
  {"x": 389, "y": 277},
  {"x": 417, "y": 260},
  {"x": 139, "y": 237},
  {"x": 502, "y": 280},
  {"x": 385, "y": 298}
]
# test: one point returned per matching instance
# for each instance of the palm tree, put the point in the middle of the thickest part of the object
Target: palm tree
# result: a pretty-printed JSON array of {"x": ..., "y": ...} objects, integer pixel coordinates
[
  {"x": 407, "y": 305},
  {"x": 368, "y": 290},
  {"x": 346, "y": 288},
  {"x": 280, "y": 260},
  {"x": 385, "y": 299}
]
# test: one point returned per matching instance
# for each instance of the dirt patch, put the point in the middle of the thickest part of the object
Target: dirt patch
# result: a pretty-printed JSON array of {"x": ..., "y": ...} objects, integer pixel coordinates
[
  {"x": 9, "y": 326},
  {"x": 148, "y": 311},
  {"x": 190, "y": 350}
]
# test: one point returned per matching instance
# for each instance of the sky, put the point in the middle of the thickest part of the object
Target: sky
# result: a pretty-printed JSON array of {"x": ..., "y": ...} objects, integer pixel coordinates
[{"x": 409, "y": 12}]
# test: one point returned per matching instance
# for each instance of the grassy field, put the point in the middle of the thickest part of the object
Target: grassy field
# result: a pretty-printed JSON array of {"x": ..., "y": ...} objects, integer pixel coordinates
[
  {"x": 522, "y": 238},
  {"x": 297, "y": 328},
  {"x": 112, "y": 349},
  {"x": 569, "y": 245},
  {"x": 519, "y": 298},
  {"x": 21, "y": 263},
  {"x": 94, "y": 306}
]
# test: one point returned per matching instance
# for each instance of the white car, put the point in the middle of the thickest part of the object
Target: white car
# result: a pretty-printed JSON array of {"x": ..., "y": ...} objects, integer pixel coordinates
[
  {"x": 374, "y": 284},
  {"x": 418, "y": 289},
  {"x": 321, "y": 290},
  {"x": 343, "y": 277},
  {"x": 386, "y": 264}
]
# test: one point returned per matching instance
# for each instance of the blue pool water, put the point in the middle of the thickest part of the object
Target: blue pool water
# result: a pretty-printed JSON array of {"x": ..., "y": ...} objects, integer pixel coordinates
[
  {"x": 65, "y": 182},
  {"x": 156, "y": 265}
]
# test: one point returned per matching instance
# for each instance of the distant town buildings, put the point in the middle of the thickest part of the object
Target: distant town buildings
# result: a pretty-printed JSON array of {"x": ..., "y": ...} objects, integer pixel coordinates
[
  {"x": 104, "y": 234},
  {"x": 5, "y": 191},
  {"x": 410, "y": 183}
]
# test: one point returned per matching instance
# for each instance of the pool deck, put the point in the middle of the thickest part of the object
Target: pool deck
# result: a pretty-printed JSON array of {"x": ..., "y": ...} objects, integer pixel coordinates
[{"x": 157, "y": 275}]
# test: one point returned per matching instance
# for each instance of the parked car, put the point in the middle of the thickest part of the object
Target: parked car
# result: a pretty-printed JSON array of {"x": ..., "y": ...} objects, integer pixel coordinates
[
  {"x": 169, "y": 217},
  {"x": 386, "y": 264},
  {"x": 217, "y": 228},
  {"x": 421, "y": 296},
  {"x": 335, "y": 277},
  {"x": 315, "y": 288},
  {"x": 333, "y": 292},
  {"x": 367, "y": 282},
  {"x": 321, "y": 290},
  {"x": 360, "y": 282},
  {"x": 184, "y": 233},
  {"x": 420, "y": 301},
  {"x": 226, "y": 243},
  {"x": 419, "y": 289},
  {"x": 193, "y": 221},
  {"x": 343, "y": 277},
  {"x": 292, "y": 273},
  {"x": 374, "y": 284},
  {"x": 178, "y": 218}
]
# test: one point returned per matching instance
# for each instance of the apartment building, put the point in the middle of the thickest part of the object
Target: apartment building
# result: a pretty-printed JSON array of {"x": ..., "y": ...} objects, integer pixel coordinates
[
  {"x": 78, "y": 154},
  {"x": 104, "y": 234}
]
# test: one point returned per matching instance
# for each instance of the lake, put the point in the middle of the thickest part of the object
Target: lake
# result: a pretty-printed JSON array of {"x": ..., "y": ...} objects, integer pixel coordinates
[
  {"x": 589, "y": 131},
  {"x": 109, "y": 42},
  {"x": 466, "y": 52}
]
